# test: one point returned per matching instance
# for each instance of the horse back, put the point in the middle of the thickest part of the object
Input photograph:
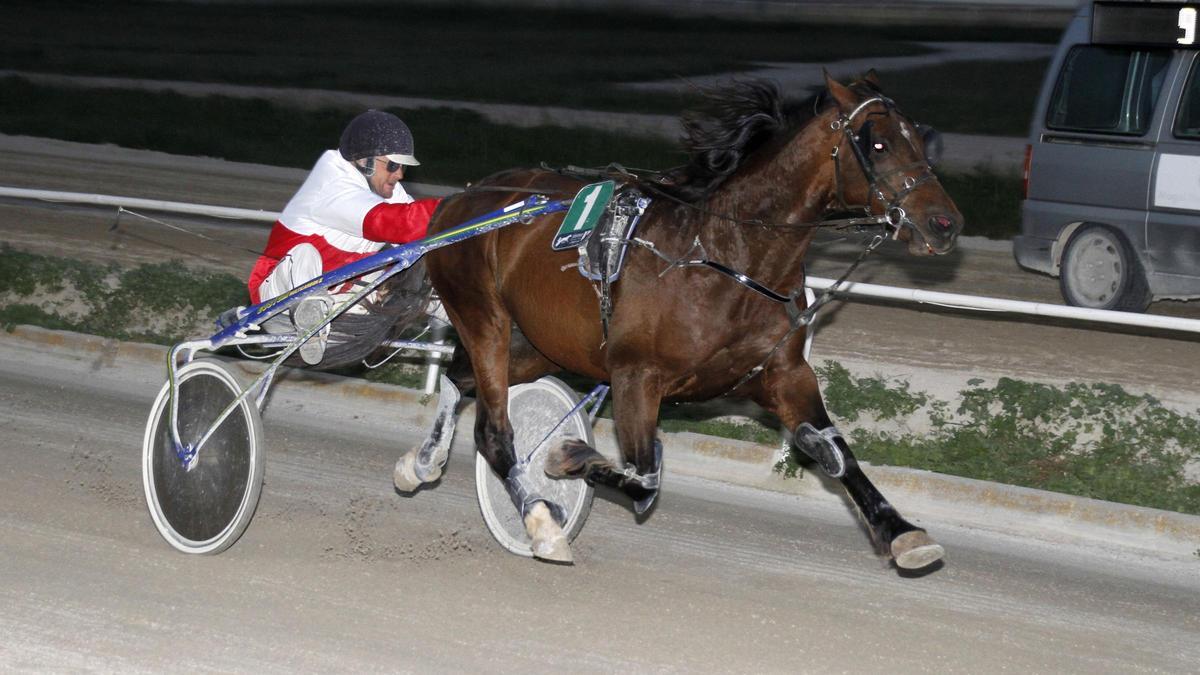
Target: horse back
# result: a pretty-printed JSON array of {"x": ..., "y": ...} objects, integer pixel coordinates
[{"x": 513, "y": 273}]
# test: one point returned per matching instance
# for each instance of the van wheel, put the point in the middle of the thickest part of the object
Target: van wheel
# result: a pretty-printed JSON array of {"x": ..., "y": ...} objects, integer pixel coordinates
[{"x": 1101, "y": 271}]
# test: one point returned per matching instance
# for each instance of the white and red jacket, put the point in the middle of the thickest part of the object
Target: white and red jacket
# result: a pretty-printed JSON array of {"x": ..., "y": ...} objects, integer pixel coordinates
[{"x": 336, "y": 211}]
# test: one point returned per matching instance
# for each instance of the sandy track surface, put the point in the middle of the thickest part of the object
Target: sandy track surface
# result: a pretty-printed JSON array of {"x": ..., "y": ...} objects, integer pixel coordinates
[{"x": 338, "y": 572}]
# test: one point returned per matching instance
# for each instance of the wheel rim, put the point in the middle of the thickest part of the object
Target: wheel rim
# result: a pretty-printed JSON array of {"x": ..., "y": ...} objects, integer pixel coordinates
[
  {"x": 203, "y": 510},
  {"x": 1096, "y": 270},
  {"x": 534, "y": 409}
]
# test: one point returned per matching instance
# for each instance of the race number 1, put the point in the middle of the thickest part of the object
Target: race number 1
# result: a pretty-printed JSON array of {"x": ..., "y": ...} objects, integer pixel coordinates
[
  {"x": 1187, "y": 22},
  {"x": 585, "y": 212}
]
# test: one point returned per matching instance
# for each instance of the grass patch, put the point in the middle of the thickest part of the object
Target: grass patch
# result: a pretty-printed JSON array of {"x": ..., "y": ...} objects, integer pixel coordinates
[
  {"x": 848, "y": 397},
  {"x": 1093, "y": 440},
  {"x": 158, "y": 303},
  {"x": 408, "y": 375}
]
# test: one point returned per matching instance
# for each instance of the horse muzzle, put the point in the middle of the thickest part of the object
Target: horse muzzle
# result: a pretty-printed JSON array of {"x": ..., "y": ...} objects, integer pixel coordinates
[{"x": 936, "y": 236}]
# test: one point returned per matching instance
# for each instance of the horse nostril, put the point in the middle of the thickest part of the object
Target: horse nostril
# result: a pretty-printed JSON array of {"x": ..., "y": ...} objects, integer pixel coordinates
[{"x": 941, "y": 224}]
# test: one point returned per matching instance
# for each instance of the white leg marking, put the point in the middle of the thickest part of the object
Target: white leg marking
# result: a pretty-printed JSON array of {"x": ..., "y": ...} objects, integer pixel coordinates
[{"x": 549, "y": 542}]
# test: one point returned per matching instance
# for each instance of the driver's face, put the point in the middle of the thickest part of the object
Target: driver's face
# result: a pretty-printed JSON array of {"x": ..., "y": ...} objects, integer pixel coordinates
[{"x": 383, "y": 182}]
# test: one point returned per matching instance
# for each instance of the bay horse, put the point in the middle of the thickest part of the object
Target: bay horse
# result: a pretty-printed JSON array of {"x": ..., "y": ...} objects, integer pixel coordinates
[{"x": 759, "y": 180}]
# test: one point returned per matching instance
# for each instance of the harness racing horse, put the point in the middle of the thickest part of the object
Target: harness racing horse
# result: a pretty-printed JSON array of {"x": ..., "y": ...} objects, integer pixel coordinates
[{"x": 759, "y": 181}]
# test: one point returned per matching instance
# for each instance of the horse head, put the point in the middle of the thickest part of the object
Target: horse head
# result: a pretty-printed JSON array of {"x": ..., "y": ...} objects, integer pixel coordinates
[{"x": 884, "y": 164}]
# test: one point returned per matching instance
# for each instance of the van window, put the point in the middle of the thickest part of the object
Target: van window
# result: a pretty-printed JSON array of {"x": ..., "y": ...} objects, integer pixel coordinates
[
  {"x": 1187, "y": 125},
  {"x": 1108, "y": 90}
]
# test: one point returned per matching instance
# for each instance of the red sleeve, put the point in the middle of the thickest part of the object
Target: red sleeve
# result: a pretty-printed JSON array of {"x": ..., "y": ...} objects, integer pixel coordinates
[{"x": 399, "y": 223}]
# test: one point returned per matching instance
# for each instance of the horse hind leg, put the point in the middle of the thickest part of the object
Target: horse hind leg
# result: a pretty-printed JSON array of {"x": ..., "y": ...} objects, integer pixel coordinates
[{"x": 424, "y": 464}]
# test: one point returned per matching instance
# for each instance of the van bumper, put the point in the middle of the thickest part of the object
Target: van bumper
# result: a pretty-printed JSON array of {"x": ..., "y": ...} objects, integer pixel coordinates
[{"x": 1034, "y": 253}]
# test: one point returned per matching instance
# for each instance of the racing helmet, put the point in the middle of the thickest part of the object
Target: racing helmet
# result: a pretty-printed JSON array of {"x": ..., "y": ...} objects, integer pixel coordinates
[{"x": 376, "y": 133}]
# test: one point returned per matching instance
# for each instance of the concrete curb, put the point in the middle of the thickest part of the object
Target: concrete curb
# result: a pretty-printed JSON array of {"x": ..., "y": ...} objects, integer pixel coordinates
[{"x": 926, "y": 497}]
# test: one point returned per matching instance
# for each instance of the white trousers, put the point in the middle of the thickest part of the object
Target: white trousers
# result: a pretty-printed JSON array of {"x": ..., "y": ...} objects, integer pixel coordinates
[{"x": 301, "y": 265}]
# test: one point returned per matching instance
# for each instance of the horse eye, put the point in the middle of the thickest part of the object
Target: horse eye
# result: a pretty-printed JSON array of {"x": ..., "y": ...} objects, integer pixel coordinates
[{"x": 879, "y": 146}]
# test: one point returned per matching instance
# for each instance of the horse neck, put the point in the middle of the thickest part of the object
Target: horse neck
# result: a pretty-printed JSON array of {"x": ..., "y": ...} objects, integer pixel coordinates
[{"x": 791, "y": 184}]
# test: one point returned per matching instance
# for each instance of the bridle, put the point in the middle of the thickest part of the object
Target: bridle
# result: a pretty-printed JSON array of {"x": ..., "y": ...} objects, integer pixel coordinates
[{"x": 879, "y": 186}]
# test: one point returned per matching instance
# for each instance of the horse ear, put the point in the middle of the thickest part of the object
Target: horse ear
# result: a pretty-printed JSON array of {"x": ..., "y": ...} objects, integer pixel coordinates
[
  {"x": 872, "y": 78},
  {"x": 840, "y": 93}
]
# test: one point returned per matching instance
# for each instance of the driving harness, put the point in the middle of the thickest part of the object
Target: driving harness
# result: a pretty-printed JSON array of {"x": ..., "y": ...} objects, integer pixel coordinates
[{"x": 602, "y": 256}]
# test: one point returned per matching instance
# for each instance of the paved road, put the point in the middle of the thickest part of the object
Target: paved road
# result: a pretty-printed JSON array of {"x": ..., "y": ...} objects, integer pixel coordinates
[{"x": 337, "y": 572}]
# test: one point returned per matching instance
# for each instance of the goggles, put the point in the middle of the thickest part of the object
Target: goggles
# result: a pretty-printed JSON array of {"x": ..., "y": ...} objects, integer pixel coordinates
[{"x": 389, "y": 164}]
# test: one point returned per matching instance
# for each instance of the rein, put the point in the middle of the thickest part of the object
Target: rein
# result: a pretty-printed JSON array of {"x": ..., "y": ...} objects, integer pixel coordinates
[{"x": 797, "y": 318}]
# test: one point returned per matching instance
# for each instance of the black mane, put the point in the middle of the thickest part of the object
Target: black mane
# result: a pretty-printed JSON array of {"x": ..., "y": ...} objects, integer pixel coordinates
[{"x": 736, "y": 120}]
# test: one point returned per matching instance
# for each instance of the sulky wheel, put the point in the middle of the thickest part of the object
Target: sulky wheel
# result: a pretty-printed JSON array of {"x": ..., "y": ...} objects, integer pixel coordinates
[
  {"x": 203, "y": 509},
  {"x": 533, "y": 411}
]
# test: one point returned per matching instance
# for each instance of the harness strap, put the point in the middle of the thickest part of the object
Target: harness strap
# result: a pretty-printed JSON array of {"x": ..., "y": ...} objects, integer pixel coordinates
[
  {"x": 736, "y": 276},
  {"x": 800, "y": 319}
]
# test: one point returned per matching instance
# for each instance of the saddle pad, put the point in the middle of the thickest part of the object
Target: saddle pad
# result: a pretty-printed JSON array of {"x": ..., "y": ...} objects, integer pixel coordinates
[
  {"x": 602, "y": 256},
  {"x": 587, "y": 207}
]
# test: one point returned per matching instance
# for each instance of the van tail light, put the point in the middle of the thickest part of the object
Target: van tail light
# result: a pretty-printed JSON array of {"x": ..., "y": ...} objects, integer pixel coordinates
[{"x": 1025, "y": 171}]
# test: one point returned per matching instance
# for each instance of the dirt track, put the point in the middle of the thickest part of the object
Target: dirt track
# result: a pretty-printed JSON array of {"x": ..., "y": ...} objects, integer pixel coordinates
[{"x": 339, "y": 573}]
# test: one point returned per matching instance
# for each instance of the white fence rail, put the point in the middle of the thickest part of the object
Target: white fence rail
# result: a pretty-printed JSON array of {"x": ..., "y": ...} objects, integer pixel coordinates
[
  {"x": 981, "y": 303},
  {"x": 136, "y": 203},
  {"x": 852, "y": 289}
]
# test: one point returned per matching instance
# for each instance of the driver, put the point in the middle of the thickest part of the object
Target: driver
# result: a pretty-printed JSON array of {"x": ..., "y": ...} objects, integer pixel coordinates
[{"x": 349, "y": 207}]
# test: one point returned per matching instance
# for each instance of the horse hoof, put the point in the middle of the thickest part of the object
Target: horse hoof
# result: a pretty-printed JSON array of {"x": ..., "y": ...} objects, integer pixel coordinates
[
  {"x": 572, "y": 458},
  {"x": 405, "y": 475},
  {"x": 547, "y": 538},
  {"x": 643, "y": 505},
  {"x": 554, "y": 549},
  {"x": 916, "y": 549}
]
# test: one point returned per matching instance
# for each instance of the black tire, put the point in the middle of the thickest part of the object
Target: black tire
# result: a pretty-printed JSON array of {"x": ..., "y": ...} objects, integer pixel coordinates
[
  {"x": 1101, "y": 271},
  {"x": 206, "y": 508}
]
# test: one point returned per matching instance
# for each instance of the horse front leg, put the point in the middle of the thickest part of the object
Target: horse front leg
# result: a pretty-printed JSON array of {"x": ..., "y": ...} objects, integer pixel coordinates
[
  {"x": 636, "y": 398},
  {"x": 794, "y": 396}
]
